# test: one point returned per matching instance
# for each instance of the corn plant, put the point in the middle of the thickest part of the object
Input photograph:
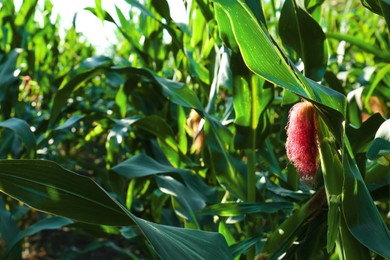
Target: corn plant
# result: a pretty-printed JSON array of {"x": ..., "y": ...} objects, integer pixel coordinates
[{"x": 260, "y": 129}]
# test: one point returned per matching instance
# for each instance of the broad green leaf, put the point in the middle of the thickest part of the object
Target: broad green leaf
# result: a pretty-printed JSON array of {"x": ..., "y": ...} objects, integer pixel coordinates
[
  {"x": 351, "y": 248},
  {"x": 7, "y": 69},
  {"x": 301, "y": 32},
  {"x": 44, "y": 224},
  {"x": 141, "y": 166},
  {"x": 91, "y": 247},
  {"x": 66, "y": 90},
  {"x": 188, "y": 199},
  {"x": 88, "y": 69},
  {"x": 176, "y": 243},
  {"x": 102, "y": 14},
  {"x": 250, "y": 103},
  {"x": 46, "y": 186},
  {"x": 380, "y": 148},
  {"x": 333, "y": 82},
  {"x": 8, "y": 230},
  {"x": 22, "y": 130},
  {"x": 177, "y": 92},
  {"x": 53, "y": 189},
  {"x": 70, "y": 122},
  {"x": 268, "y": 158},
  {"x": 361, "y": 137},
  {"x": 198, "y": 70},
  {"x": 381, "y": 7},
  {"x": 239, "y": 209},
  {"x": 243, "y": 246},
  {"x": 162, "y": 8},
  {"x": 225, "y": 30},
  {"x": 123, "y": 22},
  {"x": 257, "y": 9},
  {"x": 198, "y": 29},
  {"x": 372, "y": 5},
  {"x": 242, "y": 103},
  {"x": 377, "y": 176},
  {"x": 385, "y": 6},
  {"x": 311, "y": 5},
  {"x": 230, "y": 172},
  {"x": 93, "y": 63},
  {"x": 121, "y": 101},
  {"x": 263, "y": 57},
  {"x": 206, "y": 9},
  {"x": 282, "y": 192},
  {"x": 354, "y": 99},
  {"x": 130, "y": 232},
  {"x": 280, "y": 240},
  {"x": 289, "y": 98},
  {"x": 158, "y": 127},
  {"x": 99, "y": 10},
  {"x": 361, "y": 215},
  {"x": 197, "y": 184},
  {"x": 226, "y": 232}
]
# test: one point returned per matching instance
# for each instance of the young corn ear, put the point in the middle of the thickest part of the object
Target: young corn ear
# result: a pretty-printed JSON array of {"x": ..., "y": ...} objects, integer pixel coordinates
[
  {"x": 302, "y": 140},
  {"x": 193, "y": 122}
]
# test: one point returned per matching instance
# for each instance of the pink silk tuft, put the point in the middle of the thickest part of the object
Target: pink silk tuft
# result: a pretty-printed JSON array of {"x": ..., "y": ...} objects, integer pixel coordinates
[{"x": 302, "y": 140}]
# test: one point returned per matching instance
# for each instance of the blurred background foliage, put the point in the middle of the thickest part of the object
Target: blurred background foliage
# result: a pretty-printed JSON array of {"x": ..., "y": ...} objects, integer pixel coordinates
[{"x": 174, "y": 125}]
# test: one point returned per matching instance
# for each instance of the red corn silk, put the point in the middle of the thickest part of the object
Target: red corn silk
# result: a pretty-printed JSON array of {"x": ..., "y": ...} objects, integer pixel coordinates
[{"x": 302, "y": 140}]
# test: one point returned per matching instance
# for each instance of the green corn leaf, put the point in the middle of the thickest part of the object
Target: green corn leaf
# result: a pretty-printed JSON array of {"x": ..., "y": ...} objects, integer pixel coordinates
[
  {"x": 239, "y": 209},
  {"x": 7, "y": 69},
  {"x": 280, "y": 240},
  {"x": 177, "y": 243},
  {"x": 44, "y": 224},
  {"x": 22, "y": 130},
  {"x": 264, "y": 58},
  {"x": 230, "y": 172},
  {"x": 300, "y": 31},
  {"x": 141, "y": 166},
  {"x": 361, "y": 215},
  {"x": 70, "y": 122},
  {"x": 243, "y": 246},
  {"x": 50, "y": 188},
  {"x": 380, "y": 148}
]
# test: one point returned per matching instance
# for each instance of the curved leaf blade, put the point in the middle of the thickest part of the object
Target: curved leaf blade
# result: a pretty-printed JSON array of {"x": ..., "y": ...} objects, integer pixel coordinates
[
  {"x": 301, "y": 32},
  {"x": 44, "y": 224},
  {"x": 239, "y": 209},
  {"x": 230, "y": 172},
  {"x": 21, "y": 129},
  {"x": 177, "y": 243},
  {"x": 179, "y": 93},
  {"x": 361, "y": 215},
  {"x": 141, "y": 166},
  {"x": 46, "y": 186},
  {"x": 70, "y": 122},
  {"x": 264, "y": 58},
  {"x": 188, "y": 199},
  {"x": 51, "y": 188},
  {"x": 380, "y": 148}
]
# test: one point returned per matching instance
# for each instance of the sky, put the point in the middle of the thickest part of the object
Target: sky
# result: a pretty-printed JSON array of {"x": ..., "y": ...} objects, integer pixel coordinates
[{"x": 100, "y": 34}]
